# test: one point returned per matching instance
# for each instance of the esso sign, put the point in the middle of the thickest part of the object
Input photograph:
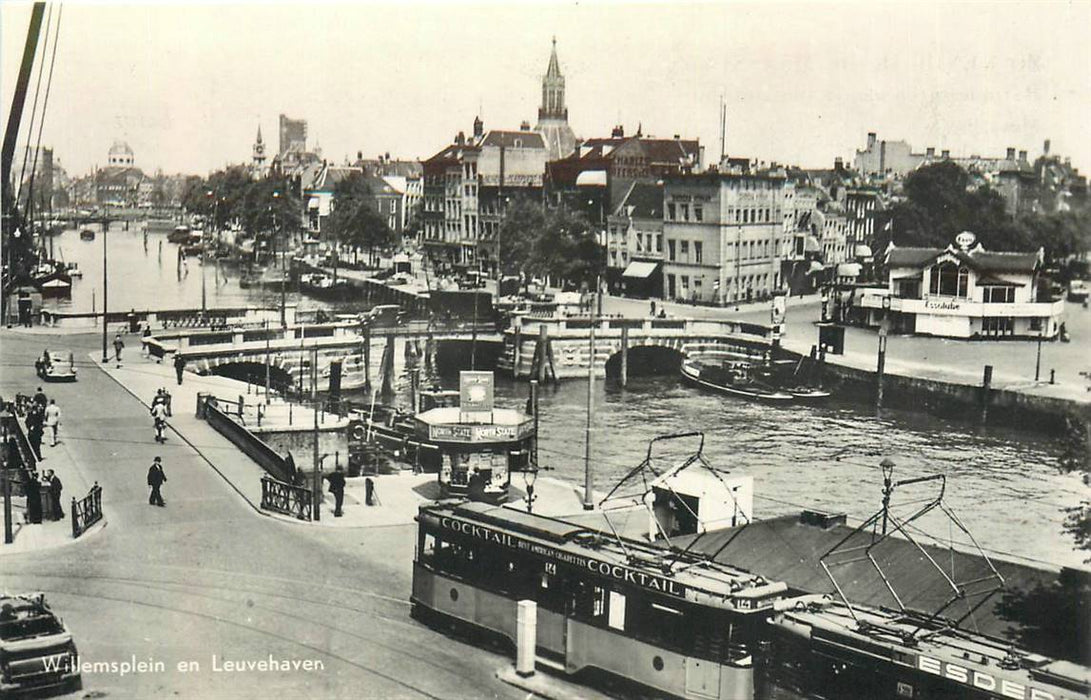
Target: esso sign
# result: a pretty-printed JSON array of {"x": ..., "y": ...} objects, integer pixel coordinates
[{"x": 965, "y": 239}]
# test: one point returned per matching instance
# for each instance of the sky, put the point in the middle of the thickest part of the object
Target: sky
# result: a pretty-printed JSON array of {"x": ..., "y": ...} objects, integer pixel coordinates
[{"x": 188, "y": 84}]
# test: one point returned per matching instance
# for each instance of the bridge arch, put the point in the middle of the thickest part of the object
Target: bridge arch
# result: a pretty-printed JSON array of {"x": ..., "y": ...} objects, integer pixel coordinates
[
  {"x": 645, "y": 360},
  {"x": 254, "y": 373}
]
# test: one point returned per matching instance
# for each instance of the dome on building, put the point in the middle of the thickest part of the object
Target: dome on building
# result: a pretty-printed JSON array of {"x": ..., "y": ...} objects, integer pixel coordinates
[
  {"x": 120, "y": 154},
  {"x": 120, "y": 148}
]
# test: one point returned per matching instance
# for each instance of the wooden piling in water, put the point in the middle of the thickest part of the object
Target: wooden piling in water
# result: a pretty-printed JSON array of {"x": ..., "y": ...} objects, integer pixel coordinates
[
  {"x": 624, "y": 356},
  {"x": 986, "y": 391}
]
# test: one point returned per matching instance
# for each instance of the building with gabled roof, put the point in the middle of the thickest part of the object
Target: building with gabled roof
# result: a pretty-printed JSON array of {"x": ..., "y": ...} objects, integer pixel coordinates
[
  {"x": 634, "y": 242},
  {"x": 964, "y": 291}
]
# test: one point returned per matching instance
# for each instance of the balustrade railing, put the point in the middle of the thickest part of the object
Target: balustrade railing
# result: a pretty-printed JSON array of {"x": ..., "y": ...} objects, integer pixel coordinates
[
  {"x": 86, "y": 511},
  {"x": 286, "y": 499}
]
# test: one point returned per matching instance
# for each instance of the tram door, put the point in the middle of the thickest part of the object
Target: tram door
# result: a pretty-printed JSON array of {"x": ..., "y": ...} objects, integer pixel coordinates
[{"x": 551, "y": 612}]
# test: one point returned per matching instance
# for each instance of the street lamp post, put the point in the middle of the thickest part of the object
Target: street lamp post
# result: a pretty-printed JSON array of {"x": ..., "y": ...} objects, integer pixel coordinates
[{"x": 5, "y": 482}]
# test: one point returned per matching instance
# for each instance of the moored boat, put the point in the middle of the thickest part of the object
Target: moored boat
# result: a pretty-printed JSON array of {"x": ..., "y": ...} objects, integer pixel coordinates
[
  {"x": 734, "y": 379},
  {"x": 87, "y": 235},
  {"x": 180, "y": 234}
]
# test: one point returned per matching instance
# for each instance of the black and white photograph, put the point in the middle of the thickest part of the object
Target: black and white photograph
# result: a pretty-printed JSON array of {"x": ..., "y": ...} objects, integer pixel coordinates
[{"x": 557, "y": 349}]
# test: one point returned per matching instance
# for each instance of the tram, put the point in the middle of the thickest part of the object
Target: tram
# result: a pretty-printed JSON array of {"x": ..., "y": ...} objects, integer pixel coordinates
[
  {"x": 820, "y": 648},
  {"x": 683, "y": 626}
]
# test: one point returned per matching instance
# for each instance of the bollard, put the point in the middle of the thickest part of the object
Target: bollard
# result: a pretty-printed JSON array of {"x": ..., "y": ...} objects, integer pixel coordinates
[
  {"x": 526, "y": 637},
  {"x": 624, "y": 356},
  {"x": 1052, "y": 376}
]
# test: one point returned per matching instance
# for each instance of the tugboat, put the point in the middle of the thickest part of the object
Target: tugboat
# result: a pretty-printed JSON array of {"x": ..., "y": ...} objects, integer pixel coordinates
[
  {"x": 735, "y": 378},
  {"x": 322, "y": 286}
]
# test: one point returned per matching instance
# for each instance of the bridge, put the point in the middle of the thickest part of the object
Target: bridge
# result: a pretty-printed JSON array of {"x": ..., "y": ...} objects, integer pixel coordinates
[
  {"x": 564, "y": 342},
  {"x": 365, "y": 353},
  {"x": 553, "y": 347}
]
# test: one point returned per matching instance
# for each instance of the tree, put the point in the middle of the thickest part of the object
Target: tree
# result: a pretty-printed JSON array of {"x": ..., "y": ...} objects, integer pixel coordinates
[
  {"x": 353, "y": 220},
  {"x": 553, "y": 242}
]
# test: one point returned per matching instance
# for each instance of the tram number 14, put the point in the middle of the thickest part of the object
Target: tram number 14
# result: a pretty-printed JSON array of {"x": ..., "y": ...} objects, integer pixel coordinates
[{"x": 551, "y": 568}]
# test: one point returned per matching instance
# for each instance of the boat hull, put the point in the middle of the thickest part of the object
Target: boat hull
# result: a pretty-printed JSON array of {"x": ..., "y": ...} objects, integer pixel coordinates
[{"x": 692, "y": 374}]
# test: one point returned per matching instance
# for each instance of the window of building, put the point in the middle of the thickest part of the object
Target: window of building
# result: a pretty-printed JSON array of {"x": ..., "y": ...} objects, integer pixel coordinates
[
  {"x": 684, "y": 250},
  {"x": 670, "y": 211},
  {"x": 998, "y": 295},
  {"x": 949, "y": 280},
  {"x": 658, "y": 243},
  {"x": 670, "y": 250},
  {"x": 1036, "y": 323},
  {"x": 697, "y": 252},
  {"x": 698, "y": 212},
  {"x": 685, "y": 212}
]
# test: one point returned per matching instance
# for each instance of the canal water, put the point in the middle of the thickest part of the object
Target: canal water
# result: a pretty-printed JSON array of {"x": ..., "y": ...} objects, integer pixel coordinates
[{"x": 1005, "y": 485}]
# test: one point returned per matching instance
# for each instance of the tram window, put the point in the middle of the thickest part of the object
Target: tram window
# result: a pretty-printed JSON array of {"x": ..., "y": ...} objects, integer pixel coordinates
[
  {"x": 427, "y": 548},
  {"x": 589, "y": 602},
  {"x": 617, "y": 611}
]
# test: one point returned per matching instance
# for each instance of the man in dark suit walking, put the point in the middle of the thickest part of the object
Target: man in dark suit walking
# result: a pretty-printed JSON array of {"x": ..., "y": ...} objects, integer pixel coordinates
[
  {"x": 156, "y": 478},
  {"x": 55, "y": 487},
  {"x": 337, "y": 488}
]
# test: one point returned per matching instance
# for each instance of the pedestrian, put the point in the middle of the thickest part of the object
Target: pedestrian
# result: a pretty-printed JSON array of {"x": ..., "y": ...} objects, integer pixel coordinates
[
  {"x": 653, "y": 308},
  {"x": 337, "y": 488},
  {"x": 40, "y": 398},
  {"x": 34, "y": 437},
  {"x": 119, "y": 345},
  {"x": 179, "y": 367},
  {"x": 156, "y": 478},
  {"x": 53, "y": 421},
  {"x": 144, "y": 338},
  {"x": 159, "y": 417},
  {"x": 34, "y": 499},
  {"x": 55, "y": 488}
]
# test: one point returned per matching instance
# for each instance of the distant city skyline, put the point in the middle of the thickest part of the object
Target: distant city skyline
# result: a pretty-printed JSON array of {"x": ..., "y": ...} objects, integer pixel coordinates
[{"x": 188, "y": 85}]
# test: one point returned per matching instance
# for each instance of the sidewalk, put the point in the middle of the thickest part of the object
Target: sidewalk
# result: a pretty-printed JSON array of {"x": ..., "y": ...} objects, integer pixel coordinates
[
  {"x": 76, "y": 484},
  {"x": 399, "y": 495}
]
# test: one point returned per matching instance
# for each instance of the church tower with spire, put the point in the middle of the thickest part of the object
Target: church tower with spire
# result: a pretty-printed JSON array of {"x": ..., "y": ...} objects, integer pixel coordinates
[
  {"x": 257, "y": 162},
  {"x": 553, "y": 114}
]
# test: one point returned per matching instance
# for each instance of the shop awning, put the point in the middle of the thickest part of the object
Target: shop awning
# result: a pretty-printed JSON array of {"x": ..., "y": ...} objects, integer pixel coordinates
[
  {"x": 640, "y": 269},
  {"x": 863, "y": 251},
  {"x": 815, "y": 267},
  {"x": 849, "y": 269},
  {"x": 591, "y": 178},
  {"x": 811, "y": 245}
]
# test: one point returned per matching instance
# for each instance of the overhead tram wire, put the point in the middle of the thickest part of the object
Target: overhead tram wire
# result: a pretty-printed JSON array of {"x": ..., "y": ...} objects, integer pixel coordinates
[
  {"x": 45, "y": 105},
  {"x": 34, "y": 110}
]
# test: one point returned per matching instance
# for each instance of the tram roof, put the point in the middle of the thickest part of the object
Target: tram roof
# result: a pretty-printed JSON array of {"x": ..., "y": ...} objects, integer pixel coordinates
[
  {"x": 831, "y": 620},
  {"x": 693, "y": 572}
]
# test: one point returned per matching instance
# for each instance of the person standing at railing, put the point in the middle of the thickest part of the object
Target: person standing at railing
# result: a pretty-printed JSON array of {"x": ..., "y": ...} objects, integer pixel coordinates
[
  {"x": 156, "y": 478},
  {"x": 337, "y": 488}
]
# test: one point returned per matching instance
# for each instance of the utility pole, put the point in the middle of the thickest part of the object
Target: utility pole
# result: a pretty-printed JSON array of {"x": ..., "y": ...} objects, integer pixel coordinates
[
  {"x": 314, "y": 405},
  {"x": 588, "y": 502},
  {"x": 266, "y": 361},
  {"x": 105, "y": 325}
]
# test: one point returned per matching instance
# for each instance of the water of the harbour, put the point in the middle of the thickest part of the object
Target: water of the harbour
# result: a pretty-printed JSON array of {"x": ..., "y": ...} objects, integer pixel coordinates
[{"x": 1005, "y": 485}]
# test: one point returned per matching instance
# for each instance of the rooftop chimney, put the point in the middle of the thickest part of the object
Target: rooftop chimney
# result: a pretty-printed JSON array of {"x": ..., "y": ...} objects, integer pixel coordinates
[
  {"x": 677, "y": 136},
  {"x": 1045, "y": 148},
  {"x": 1023, "y": 156},
  {"x": 1011, "y": 153},
  {"x": 870, "y": 139},
  {"x": 945, "y": 154},
  {"x": 618, "y": 132},
  {"x": 460, "y": 140},
  {"x": 479, "y": 127},
  {"x": 930, "y": 152},
  {"x": 838, "y": 164},
  {"x": 525, "y": 126}
]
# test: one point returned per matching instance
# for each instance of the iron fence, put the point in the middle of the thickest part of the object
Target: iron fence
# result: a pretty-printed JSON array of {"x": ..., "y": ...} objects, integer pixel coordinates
[
  {"x": 86, "y": 511},
  {"x": 286, "y": 499}
]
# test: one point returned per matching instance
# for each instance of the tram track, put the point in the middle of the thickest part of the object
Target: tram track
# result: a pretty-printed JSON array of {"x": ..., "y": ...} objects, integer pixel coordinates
[{"x": 185, "y": 589}]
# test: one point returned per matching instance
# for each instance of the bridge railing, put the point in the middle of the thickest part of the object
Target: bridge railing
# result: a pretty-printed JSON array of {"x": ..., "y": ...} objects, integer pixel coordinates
[
  {"x": 251, "y": 445},
  {"x": 579, "y": 325},
  {"x": 86, "y": 511},
  {"x": 286, "y": 499}
]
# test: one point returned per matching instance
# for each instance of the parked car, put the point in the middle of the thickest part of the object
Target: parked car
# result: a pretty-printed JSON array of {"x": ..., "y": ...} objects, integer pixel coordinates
[
  {"x": 385, "y": 316},
  {"x": 36, "y": 649},
  {"x": 56, "y": 366}
]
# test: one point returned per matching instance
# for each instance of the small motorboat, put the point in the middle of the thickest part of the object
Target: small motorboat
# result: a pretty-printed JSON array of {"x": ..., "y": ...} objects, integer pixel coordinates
[
  {"x": 180, "y": 234},
  {"x": 87, "y": 235},
  {"x": 807, "y": 394},
  {"x": 735, "y": 379}
]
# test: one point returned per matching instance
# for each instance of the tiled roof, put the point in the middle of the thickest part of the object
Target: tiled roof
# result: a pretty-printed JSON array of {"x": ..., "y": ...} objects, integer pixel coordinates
[
  {"x": 646, "y": 200},
  {"x": 513, "y": 139},
  {"x": 911, "y": 257}
]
